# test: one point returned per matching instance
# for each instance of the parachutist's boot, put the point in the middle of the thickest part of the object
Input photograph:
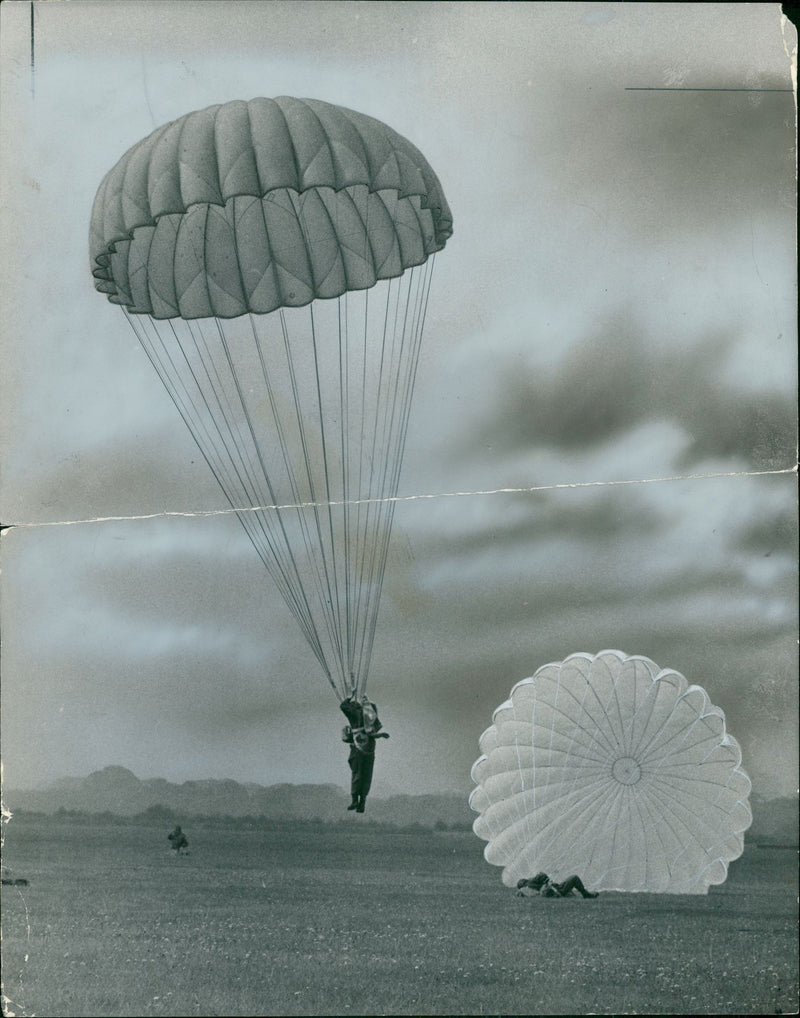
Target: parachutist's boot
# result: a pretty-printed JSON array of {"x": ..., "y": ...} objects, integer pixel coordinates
[
  {"x": 362, "y": 801},
  {"x": 591, "y": 894},
  {"x": 354, "y": 803}
]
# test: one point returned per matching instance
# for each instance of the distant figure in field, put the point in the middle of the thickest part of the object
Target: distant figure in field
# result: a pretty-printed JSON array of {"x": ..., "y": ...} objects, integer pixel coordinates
[
  {"x": 542, "y": 884},
  {"x": 180, "y": 843},
  {"x": 360, "y": 734}
]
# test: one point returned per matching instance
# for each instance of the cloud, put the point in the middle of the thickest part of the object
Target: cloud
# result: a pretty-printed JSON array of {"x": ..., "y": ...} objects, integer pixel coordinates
[
  {"x": 773, "y": 533},
  {"x": 615, "y": 380}
]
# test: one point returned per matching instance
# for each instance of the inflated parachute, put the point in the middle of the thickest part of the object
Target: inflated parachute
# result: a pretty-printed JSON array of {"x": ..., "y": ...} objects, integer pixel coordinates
[
  {"x": 274, "y": 258},
  {"x": 612, "y": 768}
]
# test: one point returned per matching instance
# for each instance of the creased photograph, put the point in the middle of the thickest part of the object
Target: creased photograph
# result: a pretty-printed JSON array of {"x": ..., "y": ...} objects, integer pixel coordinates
[{"x": 399, "y": 586}]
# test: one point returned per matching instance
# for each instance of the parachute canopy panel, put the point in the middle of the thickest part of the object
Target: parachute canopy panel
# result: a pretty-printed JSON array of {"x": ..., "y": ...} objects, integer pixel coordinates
[
  {"x": 612, "y": 768},
  {"x": 251, "y": 206}
]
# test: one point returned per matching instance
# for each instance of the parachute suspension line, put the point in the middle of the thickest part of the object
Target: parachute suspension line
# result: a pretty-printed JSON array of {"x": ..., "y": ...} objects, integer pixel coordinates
[
  {"x": 370, "y": 509},
  {"x": 297, "y": 498},
  {"x": 357, "y": 511},
  {"x": 361, "y": 546},
  {"x": 326, "y": 605},
  {"x": 325, "y": 459},
  {"x": 344, "y": 423},
  {"x": 355, "y": 558},
  {"x": 298, "y": 202},
  {"x": 267, "y": 541},
  {"x": 176, "y": 383},
  {"x": 389, "y": 373},
  {"x": 355, "y": 668},
  {"x": 396, "y": 461},
  {"x": 178, "y": 388},
  {"x": 179, "y": 393},
  {"x": 333, "y": 605},
  {"x": 355, "y": 561},
  {"x": 249, "y": 489},
  {"x": 373, "y": 508},
  {"x": 280, "y": 538},
  {"x": 330, "y": 571},
  {"x": 390, "y": 369},
  {"x": 403, "y": 357},
  {"x": 196, "y": 423}
]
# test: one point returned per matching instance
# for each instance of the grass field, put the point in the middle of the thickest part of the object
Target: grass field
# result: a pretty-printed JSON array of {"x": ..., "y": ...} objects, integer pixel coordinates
[{"x": 360, "y": 919}]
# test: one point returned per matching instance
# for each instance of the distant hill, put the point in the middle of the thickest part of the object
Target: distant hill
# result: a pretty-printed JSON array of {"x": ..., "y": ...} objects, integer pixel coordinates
[
  {"x": 117, "y": 790},
  {"x": 775, "y": 821}
]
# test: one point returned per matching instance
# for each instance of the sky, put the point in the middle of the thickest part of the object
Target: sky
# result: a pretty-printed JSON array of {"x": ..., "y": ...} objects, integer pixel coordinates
[{"x": 605, "y": 408}]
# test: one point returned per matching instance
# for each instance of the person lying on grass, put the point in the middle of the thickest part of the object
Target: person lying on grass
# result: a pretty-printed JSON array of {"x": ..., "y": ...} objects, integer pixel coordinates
[
  {"x": 360, "y": 735},
  {"x": 542, "y": 884}
]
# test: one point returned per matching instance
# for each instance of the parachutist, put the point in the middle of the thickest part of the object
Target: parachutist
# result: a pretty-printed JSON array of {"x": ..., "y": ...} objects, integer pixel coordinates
[
  {"x": 360, "y": 734},
  {"x": 542, "y": 884},
  {"x": 327, "y": 191},
  {"x": 180, "y": 843}
]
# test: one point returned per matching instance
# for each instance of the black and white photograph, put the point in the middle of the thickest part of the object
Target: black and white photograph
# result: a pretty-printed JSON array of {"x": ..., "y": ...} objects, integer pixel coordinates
[{"x": 399, "y": 550}]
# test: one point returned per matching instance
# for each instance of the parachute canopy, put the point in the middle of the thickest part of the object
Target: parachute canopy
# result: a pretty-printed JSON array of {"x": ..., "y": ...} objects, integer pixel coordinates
[
  {"x": 274, "y": 258},
  {"x": 612, "y": 768},
  {"x": 252, "y": 206}
]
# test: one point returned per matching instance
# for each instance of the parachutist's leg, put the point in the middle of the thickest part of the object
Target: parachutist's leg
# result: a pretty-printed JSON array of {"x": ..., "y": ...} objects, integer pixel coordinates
[
  {"x": 362, "y": 778},
  {"x": 367, "y": 765},
  {"x": 355, "y": 778},
  {"x": 575, "y": 883}
]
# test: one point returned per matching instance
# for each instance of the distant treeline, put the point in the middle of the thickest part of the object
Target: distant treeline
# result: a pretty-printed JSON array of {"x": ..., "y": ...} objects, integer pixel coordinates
[{"x": 164, "y": 816}]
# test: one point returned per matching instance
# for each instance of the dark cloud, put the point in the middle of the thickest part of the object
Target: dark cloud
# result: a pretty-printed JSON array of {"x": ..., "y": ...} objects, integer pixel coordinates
[
  {"x": 131, "y": 475},
  {"x": 601, "y": 518},
  {"x": 775, "y": 533},
  {"x": 594, "y": 594},
  {"x": 614, "y": 381}
]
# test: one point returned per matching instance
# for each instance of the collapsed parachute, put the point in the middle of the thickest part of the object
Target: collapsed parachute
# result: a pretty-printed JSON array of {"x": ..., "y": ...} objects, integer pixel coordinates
[
  {"x": 274, "y": 258},
  {"x": 616, "y": 770}
]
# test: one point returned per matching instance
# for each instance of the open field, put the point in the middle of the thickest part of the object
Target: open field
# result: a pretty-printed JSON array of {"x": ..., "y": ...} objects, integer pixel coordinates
[{"x": 360, "y": 919}]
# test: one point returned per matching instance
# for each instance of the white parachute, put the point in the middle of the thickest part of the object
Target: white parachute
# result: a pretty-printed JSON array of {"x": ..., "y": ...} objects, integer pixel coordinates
[{"x": 612, "y": 768}]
